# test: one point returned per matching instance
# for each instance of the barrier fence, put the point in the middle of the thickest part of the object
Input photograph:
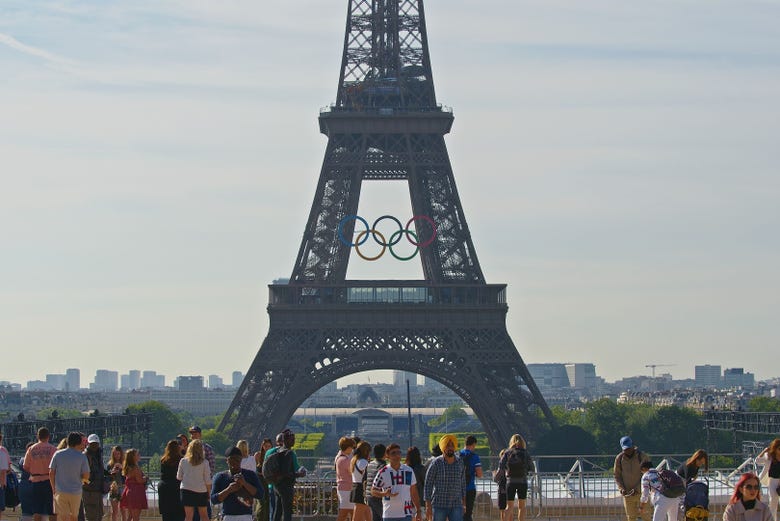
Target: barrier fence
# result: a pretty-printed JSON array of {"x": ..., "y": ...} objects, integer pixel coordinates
[{"x": 586, "y": 490}]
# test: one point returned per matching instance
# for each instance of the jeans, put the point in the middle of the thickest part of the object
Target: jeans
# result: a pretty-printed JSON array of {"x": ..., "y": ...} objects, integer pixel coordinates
[
  {"x": 284, "y": 502},
  {"x": 448, "y": 513}
]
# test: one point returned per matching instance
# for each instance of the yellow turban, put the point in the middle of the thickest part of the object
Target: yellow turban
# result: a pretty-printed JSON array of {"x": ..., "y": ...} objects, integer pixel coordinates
[{"x": 446, "y": 439}]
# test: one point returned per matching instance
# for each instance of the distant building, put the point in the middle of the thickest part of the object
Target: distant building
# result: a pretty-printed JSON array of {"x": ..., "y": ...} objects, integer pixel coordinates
[
  {"x": 105, "y": 380},
  {"x": 737, "y": 377},
  {"x": 37, "y": 385},
  {"x": 189, "y": 383},
  {"x": 152, "y": 380},
  {"x": 549, "y": 376},
  {"x": 55, "y": 382},
  {"x": 582, "y": 377},
  {"x": 238, "y": 377},
  {"x": 400, "y": 378},
  {"x": 72, "y": 380},
  {"x": 707, "y": 376},
  {"x": 215, "y": 382}
]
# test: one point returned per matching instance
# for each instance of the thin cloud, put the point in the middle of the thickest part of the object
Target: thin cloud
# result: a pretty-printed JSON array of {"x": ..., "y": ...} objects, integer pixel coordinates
[{"x": 13, "y": 43}]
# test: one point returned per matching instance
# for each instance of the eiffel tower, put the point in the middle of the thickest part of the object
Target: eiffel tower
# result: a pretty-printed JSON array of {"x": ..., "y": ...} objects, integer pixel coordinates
[{"x": 451, "y": 326}]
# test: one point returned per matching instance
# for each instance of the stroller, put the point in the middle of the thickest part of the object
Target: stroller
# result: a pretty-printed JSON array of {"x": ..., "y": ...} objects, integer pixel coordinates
[{"x": 697, "y": 500}]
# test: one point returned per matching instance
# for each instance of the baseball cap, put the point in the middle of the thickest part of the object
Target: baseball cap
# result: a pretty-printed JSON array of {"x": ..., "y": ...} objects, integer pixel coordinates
[
  {"x": 233, "y": 451},
  {"x": 93, "y": 438},
  {"x": 626, "y": 443},
  {"x": 195, "y": 428}
]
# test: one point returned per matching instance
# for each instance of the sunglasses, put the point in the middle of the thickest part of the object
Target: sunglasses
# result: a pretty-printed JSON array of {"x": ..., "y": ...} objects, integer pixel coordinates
[
  {"x": 752, "y": 487},
  {"x": 394, "y": 452}
]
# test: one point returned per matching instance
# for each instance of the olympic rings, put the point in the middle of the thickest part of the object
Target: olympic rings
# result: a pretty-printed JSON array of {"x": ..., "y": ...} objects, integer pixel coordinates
[{"x": 395, "y": 238}]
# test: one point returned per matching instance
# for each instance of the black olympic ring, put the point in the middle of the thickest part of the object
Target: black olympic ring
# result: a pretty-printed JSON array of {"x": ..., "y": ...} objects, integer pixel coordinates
[{"x": 394, "y": 238}]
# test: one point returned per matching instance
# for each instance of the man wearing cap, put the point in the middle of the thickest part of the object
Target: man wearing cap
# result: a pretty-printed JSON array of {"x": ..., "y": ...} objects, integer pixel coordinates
[
  {"x": 92, "y": 493},
  {"x": 445, "y": 484},
  {"x": 208, "y": 450},
  {"x": 236, "y": 488},
  {"x": 628, "y": 477}
]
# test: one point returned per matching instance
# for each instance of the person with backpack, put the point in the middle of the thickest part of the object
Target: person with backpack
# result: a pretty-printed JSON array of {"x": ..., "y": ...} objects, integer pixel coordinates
[
  {"x": 279, "y": 469},
  {"x": 473, "y": 468},
  {"x": 628, "y": 478},
  {"x": 516, "y": 463},
  {"x": 664, "y": 507}
]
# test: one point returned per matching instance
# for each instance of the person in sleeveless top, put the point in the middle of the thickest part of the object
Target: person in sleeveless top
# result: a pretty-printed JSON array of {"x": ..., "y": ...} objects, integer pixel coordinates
[
  {"x": 134, "y": 495},
  {"x": 770, "y": 458},
  {"x": 357, "y": 496}
]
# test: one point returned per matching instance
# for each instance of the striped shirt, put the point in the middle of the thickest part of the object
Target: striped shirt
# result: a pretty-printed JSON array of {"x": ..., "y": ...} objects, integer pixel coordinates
[{"x": 445, "y": 483}]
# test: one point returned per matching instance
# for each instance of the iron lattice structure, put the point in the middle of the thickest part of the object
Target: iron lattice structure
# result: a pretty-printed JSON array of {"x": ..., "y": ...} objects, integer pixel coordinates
[{"x": 451, "y": 326}]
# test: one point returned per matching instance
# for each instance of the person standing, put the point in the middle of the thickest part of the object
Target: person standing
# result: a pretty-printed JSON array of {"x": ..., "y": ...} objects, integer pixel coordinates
[
  {"x": 169, "y": 487},
  {"x": 770, "y": 458},
  {"x": 134, "y": 496},
  {"x": 285, "y": 489},
  {"x": 664, "y": 508},
  {"x": 375, "y": 503},
  {"x": 5, "y": 468},
  {"x": 516, "y": 464},
  {"x": 473, "y": 467},
  {"x": 195, "y": 480},
  {"x": 67, "y": 471},
  {"x": 628, "y": 477},
  {"x": 396, "y": 484},
  {"x": 745, "y": 503},
  {"x": 414, "y": 461},
  {"x": 236, "y": 488},
  {"x": 445, "y": 484},
  {"x": 262, "y": 512},
  {"x": 114, "y": 468},
  {"x": 357, "y": 495},
  {"x": 92, "y": 493},
  {"x": 36, "y": 461},
  {"x": 499, "y": 478},
  {"x": 344, "y": 478}
]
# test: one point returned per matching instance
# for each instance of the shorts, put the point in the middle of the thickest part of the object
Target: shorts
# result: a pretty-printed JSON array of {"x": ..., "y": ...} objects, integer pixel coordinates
[
  {"x": 520, "y": 488},
  {"x": 43, "y": 500},
  {"x": 67, "y": 504},
  {"x": 194, "y": 499},
  {"x": 344, "y": 501},
  {"x": 357, "y": 495},
  {"x": 502, "y": 500}
]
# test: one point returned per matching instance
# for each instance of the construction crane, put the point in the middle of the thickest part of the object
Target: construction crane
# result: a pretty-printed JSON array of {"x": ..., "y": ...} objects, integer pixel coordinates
[{"x": 653, "y": 366}]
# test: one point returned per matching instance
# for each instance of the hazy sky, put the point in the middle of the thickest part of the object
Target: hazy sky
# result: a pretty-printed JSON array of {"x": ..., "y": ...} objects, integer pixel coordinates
[{"x": 617, "y": 162}]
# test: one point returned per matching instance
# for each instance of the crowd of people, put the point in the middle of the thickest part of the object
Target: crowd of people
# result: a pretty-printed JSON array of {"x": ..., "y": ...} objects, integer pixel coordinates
[{"x": 69, "y": 482}]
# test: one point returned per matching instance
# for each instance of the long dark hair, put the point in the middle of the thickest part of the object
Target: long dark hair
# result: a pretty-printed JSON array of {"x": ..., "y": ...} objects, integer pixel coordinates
[
  {"x": 697, "y": 456},
  {"x": 413, "y": 457},
  {"x": 172, "y": 453}
]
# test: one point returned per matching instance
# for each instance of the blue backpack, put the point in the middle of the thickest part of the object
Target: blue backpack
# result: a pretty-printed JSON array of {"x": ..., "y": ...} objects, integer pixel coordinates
[{"x": 697, "y": 499}]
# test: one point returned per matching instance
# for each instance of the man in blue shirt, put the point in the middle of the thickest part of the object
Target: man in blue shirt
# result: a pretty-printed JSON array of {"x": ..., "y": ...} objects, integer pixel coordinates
[
  {"x": 67, "y": 471},
  {"x": 236, "y": 488},
  {"x": 473, "y": 468}
]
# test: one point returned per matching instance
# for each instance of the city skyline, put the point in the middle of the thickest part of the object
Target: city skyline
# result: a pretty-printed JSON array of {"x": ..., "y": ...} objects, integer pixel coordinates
[{"x": 616, "y": 163}]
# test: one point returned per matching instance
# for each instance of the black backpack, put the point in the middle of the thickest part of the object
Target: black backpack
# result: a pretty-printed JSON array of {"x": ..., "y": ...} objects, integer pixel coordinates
[
  {"x": 278, "y": 466},
  {"x": 517, "y": 463},
  {"x": 672, "y": 485},
  {"x": 11, "y": 489},
  {"x": 466, "y": 459}
]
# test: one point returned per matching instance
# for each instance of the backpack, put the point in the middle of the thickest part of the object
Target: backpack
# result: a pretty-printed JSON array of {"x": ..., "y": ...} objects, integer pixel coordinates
[
  {"x": 517, "y": 463},
  {"x": 697, "y": 497},
  {"x": 466, "y": 458},
  {"x": 278, "y": 466},
  {"x": 672, "y": 485},
  {"x": 11, "y": 489}
]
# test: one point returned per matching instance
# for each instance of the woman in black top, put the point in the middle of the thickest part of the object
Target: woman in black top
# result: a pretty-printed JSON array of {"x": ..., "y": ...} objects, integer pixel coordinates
[
  {"x": 169, "y": 495},
  {"x": 414, "y": 460},
  {"x": 690, "y": 469}
]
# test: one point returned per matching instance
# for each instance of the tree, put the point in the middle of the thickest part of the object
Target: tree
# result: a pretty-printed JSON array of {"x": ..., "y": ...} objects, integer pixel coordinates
[
  {"x": 165, "y": 424},
  {"x": 764, "y": 404},
  {"x": 450, "y": 413}
]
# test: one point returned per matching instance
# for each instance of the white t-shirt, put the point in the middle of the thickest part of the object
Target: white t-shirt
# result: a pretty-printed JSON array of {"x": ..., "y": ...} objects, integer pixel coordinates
[
  {"x": 249, "y": 463},
  {"x": 194, "y": 478},
  {"x": 399, "y": 481},
  {"x": 360, "y": 469}
]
